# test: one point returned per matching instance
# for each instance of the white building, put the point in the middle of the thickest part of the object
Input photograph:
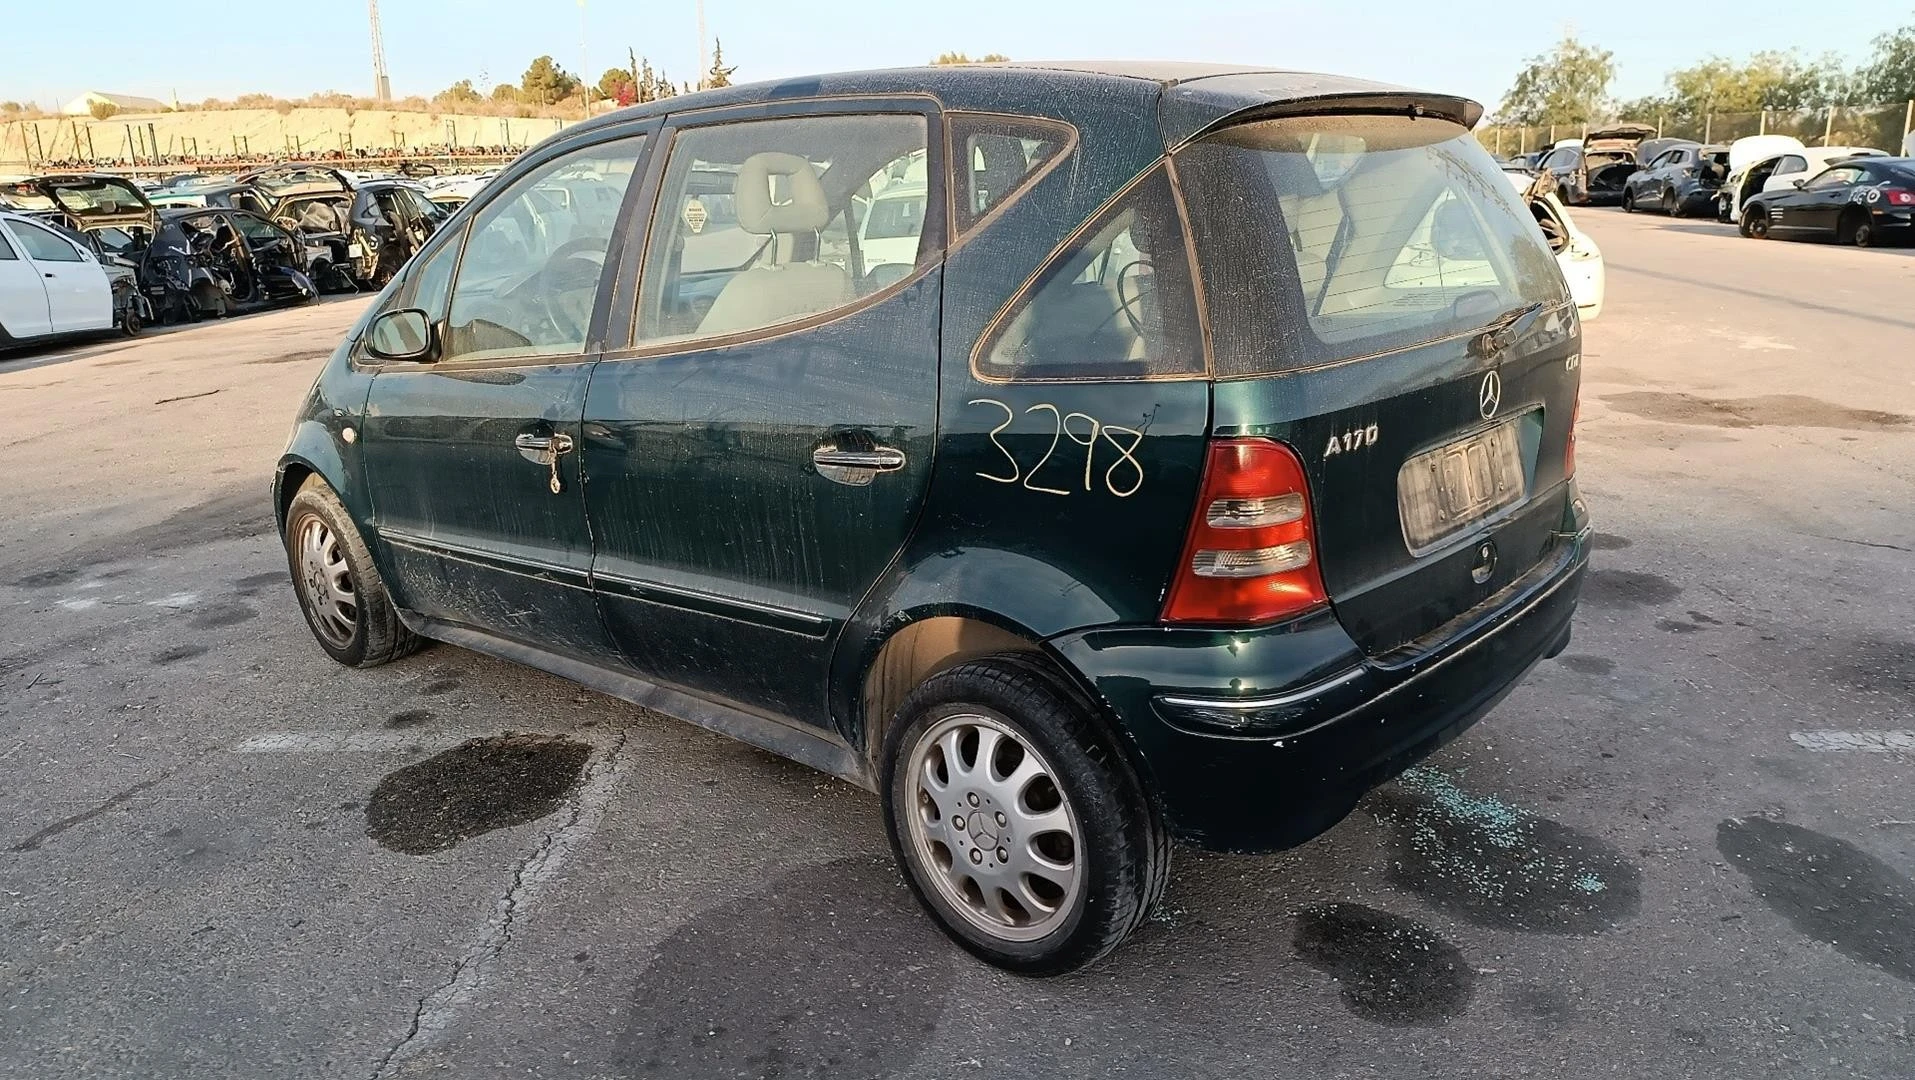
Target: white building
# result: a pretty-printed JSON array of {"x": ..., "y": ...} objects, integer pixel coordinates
[{"x": 126, "y": 103}]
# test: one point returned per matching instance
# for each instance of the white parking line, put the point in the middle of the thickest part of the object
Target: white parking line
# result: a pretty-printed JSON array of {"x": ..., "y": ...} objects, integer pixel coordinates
[{"x": 1856, "y": 742}]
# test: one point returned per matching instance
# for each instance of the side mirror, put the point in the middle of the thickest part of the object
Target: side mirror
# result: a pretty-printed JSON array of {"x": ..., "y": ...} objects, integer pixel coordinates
[
  {"x": 404, "y": 334},
  {"x": 1797, "y": 183}
]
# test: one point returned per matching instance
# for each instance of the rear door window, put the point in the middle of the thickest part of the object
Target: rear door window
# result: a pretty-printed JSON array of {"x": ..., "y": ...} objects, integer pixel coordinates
[
  {"x": 994, "y": 157},
  {"x": 1116, "y": 302},
  {"x": 1323, "y": 239}
]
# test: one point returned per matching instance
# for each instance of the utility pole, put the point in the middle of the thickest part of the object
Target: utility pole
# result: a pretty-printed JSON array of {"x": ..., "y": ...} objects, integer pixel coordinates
[
  {"x": 700, "y": 84},
  {"x": 381, "y": 84},
  {"x": 584, "y": 68}
]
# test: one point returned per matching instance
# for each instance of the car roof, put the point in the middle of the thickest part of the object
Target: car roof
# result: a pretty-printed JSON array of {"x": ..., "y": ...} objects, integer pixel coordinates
[{"x": 1191, "y": 97}]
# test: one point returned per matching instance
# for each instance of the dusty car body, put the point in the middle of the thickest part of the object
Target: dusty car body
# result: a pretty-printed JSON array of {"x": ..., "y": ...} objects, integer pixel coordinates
[
  {"x": 1577, "y": 253},
  {"x": 50, "y": 286},
  {"x": 1677, "y": 179},
  {"x": 1593, "y": 173},
  {"x": 1210, "y": 462}
]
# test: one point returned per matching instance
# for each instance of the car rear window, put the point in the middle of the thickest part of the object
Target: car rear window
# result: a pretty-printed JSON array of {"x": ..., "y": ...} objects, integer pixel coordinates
[{"x": 1326, "y": 238}]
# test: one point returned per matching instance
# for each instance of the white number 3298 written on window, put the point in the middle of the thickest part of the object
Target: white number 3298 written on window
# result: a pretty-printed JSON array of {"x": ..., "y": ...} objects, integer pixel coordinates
[{"x": 1122, "y": 477}]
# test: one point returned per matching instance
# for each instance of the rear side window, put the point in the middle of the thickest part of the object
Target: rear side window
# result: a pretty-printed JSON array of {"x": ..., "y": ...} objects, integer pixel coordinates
[
  {"x": 1327, "y": 238},
  {"x": 1116, "y": 302},
  {"x": 994, "y": 157}
]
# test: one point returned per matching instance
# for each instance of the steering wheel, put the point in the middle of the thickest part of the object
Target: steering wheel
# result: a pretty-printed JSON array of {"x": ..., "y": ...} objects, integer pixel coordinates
[{"x": 570, "y": 269}]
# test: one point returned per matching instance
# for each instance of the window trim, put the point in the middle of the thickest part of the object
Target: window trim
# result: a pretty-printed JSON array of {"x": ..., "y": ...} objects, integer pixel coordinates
[
  {"x": 79, "y": 254},
  {"x": 7, "y": 254},
  {"x": 1063, "y": 248},
  {"x": 1030, "y": 181},
  {"x": 457, "y": 229},
  {"x": 625, "y": 303}
]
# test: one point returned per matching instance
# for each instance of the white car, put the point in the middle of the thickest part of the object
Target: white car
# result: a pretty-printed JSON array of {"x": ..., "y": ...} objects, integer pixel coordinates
[
  {"x": 48, "y": 284},
  {"x": 888, "y": 235},
  {"x": 1770, "y": 162},
  {"x": 1576, "y": 253}
]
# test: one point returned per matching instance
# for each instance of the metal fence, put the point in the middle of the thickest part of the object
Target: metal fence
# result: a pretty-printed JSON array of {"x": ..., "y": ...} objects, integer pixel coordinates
[{"x": 1881, "y": 126}]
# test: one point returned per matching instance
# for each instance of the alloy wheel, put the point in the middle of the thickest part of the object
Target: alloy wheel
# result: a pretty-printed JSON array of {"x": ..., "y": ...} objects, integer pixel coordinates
[
  {"x": 992, "y": 828},
  {"x": 325, "y": 582}
]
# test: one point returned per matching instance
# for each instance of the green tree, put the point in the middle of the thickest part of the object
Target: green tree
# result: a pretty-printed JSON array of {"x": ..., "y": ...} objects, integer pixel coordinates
[
  {"x": 613, "y": 82},
  {"x": 12, "y": 107},
  {"x": 1889, "y": 74},
  {"x": 508, "y": 93},
  {"x": 964, "y": 58},
  {"x": 1568, "y": 85},
  {"x": 719, "y": 75},
  {"x": 545, "y": 82},
  {"x": 459, "y": 93}
]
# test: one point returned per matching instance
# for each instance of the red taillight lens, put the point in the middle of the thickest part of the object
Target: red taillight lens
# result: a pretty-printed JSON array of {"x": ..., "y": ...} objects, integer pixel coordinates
[
  {"x": 1898, "y": 197},
  {"x": 1251, "y": 554},
  {"x": 1569, "y": 451}
]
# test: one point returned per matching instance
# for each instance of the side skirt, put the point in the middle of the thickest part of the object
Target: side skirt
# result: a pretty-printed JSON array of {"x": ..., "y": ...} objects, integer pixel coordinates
[{"x": 821, "y": 752}]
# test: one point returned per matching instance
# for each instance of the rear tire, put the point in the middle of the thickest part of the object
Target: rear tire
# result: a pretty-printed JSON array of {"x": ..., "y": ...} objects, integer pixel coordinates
[
  {"x": 1628, "y": 201},
  {"x": 1671, "y": 202},
  {"x": 993, "y": 764},
  {"x": 1858, "y": 229},
  {"x": 340, "y": 591}
]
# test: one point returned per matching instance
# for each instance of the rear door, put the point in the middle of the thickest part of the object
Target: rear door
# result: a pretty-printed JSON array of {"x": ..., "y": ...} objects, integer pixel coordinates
[
  {"x": 1394, "y": 315},
  {"x": 757, "y": 456},
  {"x": 23, "y": 299}
]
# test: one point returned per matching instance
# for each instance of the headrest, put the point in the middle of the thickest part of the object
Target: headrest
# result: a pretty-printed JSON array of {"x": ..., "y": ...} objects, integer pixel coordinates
[{"x": 804, "y": 208}]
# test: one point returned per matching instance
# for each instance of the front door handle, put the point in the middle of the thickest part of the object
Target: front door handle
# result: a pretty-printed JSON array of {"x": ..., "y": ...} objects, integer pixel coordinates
[
  {"x": 856, "y": 468},
  {"x": 545, "y": 450}
]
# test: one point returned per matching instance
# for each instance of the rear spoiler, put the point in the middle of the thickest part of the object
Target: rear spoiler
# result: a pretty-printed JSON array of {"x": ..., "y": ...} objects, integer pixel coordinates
[{"x": 1193, "y": 109}]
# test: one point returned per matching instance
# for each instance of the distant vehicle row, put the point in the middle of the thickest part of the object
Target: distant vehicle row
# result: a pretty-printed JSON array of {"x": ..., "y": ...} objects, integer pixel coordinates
[{"x": 1771, "y": 185}]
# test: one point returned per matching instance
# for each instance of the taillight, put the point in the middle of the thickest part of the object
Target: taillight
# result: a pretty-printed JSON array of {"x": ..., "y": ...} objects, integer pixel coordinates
[
  {"x": 1569, "y": 451},
  {"x": 1251, "y": 554},
  {"x": 1898, "y": 197}
]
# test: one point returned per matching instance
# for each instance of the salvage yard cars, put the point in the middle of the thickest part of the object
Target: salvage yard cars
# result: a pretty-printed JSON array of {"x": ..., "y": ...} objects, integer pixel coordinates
[
  {"x": 1862, "y": 201},
  {"x": 1209, "y": 462},
  {"x": 1773, "y": 163},
  {"x": 50, "y": 286}
]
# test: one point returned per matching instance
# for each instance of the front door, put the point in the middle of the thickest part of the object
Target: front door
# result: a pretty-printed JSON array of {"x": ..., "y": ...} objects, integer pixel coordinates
[
  {"x": 472, "y": 459},
  {"x": 1822, "y": 200},
  {"x": 23, "y": 299},
  {"x": 759, "y": 455},
  {"x": 78, "y": 296}
]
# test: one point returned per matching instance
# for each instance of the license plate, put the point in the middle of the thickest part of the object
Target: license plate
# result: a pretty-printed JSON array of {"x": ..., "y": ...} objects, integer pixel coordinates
[
  {"x": 355, "y": 251},
  {"x": 1442, "y": 491}
]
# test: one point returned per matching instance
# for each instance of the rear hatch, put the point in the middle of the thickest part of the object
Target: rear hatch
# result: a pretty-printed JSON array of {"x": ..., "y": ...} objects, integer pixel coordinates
[
  {"x": 1381, "y": 302},
  {"x": 99, "y": 202},
  {"x": 284, "y": 181}
]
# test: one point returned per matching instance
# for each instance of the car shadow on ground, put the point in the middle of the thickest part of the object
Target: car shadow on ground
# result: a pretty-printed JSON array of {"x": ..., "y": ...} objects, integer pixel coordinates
[
  {"x": 27, "y": 356},
  {"x": 1706, "y": 226}
]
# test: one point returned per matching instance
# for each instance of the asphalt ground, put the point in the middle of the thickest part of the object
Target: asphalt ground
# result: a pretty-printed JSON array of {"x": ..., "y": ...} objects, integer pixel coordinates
[{"x": 1684, "y": 848}]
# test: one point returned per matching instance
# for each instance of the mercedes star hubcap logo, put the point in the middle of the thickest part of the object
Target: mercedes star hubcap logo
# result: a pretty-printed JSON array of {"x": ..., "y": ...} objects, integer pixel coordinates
[{"x": 1490, "y": 396}]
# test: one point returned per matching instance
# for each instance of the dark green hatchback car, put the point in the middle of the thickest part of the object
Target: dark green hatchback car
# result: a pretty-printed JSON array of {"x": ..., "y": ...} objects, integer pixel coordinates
[{"x": 1079, "y": 457}]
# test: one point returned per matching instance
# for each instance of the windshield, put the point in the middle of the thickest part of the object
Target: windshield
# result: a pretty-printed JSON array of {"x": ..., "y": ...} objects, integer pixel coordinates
[{"x": 1385, "y": 231}]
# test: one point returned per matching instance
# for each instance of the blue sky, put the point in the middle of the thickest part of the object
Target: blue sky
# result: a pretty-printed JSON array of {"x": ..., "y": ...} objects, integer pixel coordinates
[{"x": 215, "y": 48}]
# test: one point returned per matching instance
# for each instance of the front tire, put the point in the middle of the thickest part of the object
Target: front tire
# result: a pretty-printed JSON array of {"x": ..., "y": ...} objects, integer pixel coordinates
[
  {"x": 1628, "y": 201},
  {"x": 1016, "y": 820},
  {"x": 340, "y": 591},
  {"x": 1755, "y": 222}
]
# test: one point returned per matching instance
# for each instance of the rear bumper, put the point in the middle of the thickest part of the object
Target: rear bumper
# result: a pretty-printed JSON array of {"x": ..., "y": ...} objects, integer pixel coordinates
[{"x": 1261, "y": 740}]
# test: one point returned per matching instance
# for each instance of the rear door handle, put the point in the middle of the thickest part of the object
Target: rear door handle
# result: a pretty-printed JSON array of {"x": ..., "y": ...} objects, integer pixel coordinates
[{"x": 856, "y": 468}]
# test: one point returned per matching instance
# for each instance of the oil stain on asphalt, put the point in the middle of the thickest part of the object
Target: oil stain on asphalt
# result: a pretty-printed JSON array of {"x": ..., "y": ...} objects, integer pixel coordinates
[
  {"x": 1620, "y": 590},
  {"x": 475, "y": 787},
  {"x": 1495, "y": 865},
  {"x": 227, "y": 614},
  {"x": 736, "y": 991},
  {"x": 177, "y": 653},
  {"x": 1391, "y": 969},
  {"x": 1587, "y": 665},
  {"x": 1827, "y": 888}
]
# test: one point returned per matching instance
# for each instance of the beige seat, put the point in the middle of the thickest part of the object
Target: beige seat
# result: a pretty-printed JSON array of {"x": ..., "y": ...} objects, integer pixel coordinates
[{"x": 766, "y": 295}]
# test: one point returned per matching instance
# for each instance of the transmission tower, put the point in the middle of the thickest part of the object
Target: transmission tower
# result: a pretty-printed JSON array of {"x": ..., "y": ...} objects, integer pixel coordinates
[{"x": 381, "y": 84}]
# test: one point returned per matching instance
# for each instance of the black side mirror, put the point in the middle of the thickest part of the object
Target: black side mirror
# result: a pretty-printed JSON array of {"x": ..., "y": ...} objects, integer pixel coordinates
[
  {"x": 1797, "y": 183},
  {"x": 404, "y": 334}
]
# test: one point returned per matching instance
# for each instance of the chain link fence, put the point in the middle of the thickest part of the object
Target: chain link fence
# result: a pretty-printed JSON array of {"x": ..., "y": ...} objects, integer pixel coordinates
[{"x": 1880, "y": 126}]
